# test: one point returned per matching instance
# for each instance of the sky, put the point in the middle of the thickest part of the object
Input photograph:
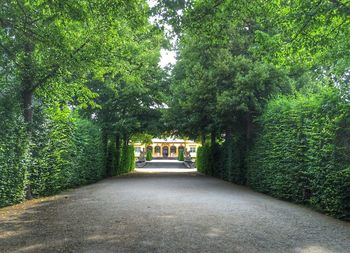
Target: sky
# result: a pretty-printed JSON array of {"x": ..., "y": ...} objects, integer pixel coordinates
[{"x": 167, "y": 56}]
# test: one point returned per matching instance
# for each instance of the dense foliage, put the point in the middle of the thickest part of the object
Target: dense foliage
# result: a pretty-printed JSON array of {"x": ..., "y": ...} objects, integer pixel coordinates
[
  {"x": 181, "y": 156},
  {"x": 77, "y": 81},
  {"x": 149, "y": 155},
  {"x": 233, "y": 58},
  {"x": 302, "y": 151},
  {"x": 13, "y": 147},
  {"x": 65, "y": 151}
]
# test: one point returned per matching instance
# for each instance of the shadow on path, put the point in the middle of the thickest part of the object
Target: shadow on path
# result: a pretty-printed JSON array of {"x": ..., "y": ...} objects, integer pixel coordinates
[{"x": 168, "y": 212}]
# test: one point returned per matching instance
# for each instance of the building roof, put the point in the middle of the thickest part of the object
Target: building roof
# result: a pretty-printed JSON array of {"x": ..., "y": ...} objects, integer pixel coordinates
[{"x": 173, "y": 140}]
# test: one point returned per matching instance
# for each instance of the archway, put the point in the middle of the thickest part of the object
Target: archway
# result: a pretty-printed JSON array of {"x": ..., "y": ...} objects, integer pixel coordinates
[
  {"x": 165, "y": 151},
  {"x": 173, "y": 151},
  {"x": 157, "y": 150}
]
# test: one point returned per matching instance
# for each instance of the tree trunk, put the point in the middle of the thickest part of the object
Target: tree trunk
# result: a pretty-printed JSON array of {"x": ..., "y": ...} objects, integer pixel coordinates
[
  {"x": 213, "y": 162},
  {"x": 249, "y": 125},
  {"x": 203, "y": 139},
  {"x": 27, "y": 102},
  {"x": 126, "y": 140},
  {"x": 104, "y": 140},
  {"x": 229, "y": 153},
  {"x": 213, "y": 137},
  {"x": 118, "y": 150}
]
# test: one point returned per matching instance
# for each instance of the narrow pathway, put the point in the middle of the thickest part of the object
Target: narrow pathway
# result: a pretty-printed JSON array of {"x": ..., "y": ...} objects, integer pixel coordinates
[
  {"x": 168, "y": 212},
  {"x": 168, "y": 164}
]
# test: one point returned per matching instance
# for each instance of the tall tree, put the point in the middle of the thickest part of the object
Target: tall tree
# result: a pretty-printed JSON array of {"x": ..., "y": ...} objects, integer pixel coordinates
[{"x": 52, "y": 43}]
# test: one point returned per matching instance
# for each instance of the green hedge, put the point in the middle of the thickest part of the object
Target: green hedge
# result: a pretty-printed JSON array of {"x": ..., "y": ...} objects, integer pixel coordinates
[
  {"x": 149, "y": 155},
  {"x": 181, "y": 156},
  {"x": 122, "y": 164},
  {"x": 13, "y": 150},
  {"x": 64, "y": 151},
  {"x": 302, "y": 151},
  {"x": 127, "y": 163},
  {"x": 202, "y": 160},
  {"x": 222, "y": 161}
]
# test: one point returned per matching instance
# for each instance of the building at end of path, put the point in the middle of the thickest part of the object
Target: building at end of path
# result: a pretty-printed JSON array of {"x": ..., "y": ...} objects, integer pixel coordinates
[{"x": 167, "y": 147}]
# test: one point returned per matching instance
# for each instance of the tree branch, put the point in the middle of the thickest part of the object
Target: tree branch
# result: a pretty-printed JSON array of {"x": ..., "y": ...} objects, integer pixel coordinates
[
  {"x": 341, "y": 6},
  {"x": 311, "y": 14},
  {"x": 55, "y": 68}
]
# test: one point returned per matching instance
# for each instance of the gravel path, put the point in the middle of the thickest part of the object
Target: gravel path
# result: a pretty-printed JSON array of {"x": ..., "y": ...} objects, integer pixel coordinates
[{"x": 167, "y": 212}]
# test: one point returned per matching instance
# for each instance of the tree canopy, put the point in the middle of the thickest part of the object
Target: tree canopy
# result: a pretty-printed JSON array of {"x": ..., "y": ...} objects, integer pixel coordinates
[{"x": 235, "y": 55}]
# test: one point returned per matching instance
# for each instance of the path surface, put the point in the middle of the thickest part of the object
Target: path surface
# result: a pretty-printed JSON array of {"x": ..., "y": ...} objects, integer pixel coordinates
[
  {"x": 168, "y": 164},
  {"x": 168, "y": 212}
]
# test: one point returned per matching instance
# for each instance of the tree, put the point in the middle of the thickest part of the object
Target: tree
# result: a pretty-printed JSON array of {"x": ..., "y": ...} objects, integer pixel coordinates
[
  {"x": 130, "y": 99},
  {"x": 54, "y": 45},
  {"x": 49, "y": 48}
]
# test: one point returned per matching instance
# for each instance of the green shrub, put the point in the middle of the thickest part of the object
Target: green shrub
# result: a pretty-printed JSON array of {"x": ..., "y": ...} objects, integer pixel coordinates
[
  {"x": 112, "y": 163},
  {"x": 131, "y": 158},
  {"x": 66, "y": 152},
  {"x": 89, "y": 165},
  {"x": 199, "y": 159},
  {"x": 149, "y": 155},
  {"x": 127, "y": 163},
  {"x": 301, "y": 152},
  {"x": 203, "y": 161},
  {"x": 181, "y": 156},
  {"x": 218, "y": 162},
  {"x": 51, "y": 166},
  {"x": 13, "y": 152}
]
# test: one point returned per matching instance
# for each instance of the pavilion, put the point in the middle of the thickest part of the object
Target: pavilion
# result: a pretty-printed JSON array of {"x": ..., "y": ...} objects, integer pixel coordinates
[{"x": 167, "y": 147}]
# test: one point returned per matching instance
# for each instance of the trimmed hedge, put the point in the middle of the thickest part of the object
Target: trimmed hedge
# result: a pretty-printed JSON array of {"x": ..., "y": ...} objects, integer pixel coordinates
[
  {"x": 181, "y": 156},
  {"x": 149, "y": 155},
  {"x": 64, "y": 151},
  {"x": 13, "y": 151},
  {"x": 222, "y": 161},
  {"x": 208, "y": 160},
  {"x": 202, "y": 159},
  {"x": 302, "y": 152},
  {"x": 126, "y": 162}
]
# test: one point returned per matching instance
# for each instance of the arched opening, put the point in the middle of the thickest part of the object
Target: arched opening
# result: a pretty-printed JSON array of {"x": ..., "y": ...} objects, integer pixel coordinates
[
  {"x": 157, "y": 151},
  {"x": 150, "y": 148},
  {"x": 173, "y": 151},
  {"x": 165, "y": 151}
]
